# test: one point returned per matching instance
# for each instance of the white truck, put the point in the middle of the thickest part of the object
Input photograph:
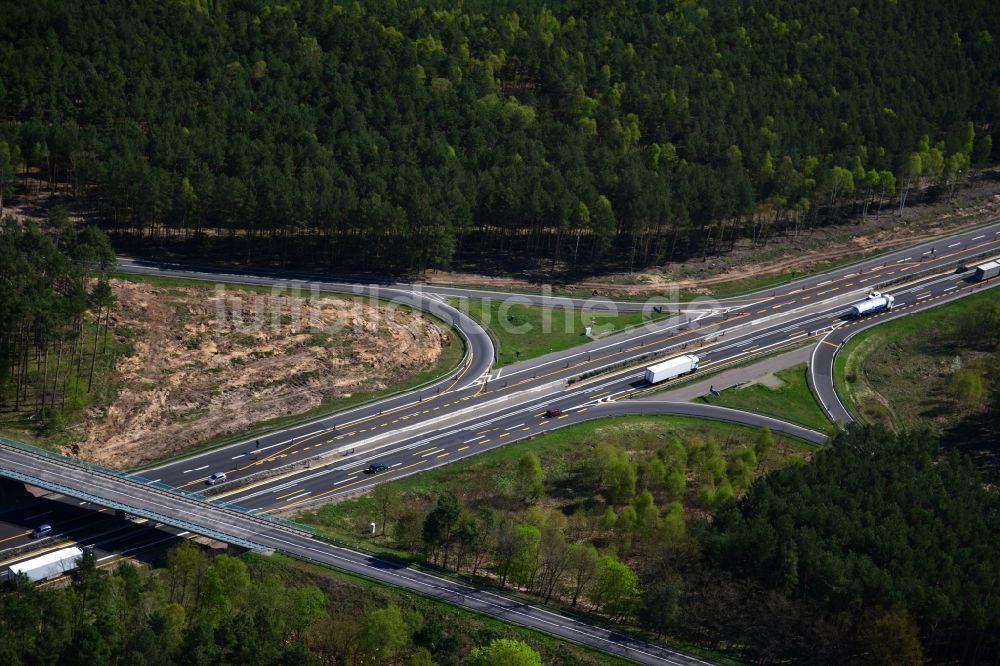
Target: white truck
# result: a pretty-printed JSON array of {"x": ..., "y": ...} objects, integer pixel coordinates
[
  {"x": 671, "y": 368},
  {"x": 876, "y": 302},
  {"x": 990, "y": 269},
  {"x": 49, "y": 565}
]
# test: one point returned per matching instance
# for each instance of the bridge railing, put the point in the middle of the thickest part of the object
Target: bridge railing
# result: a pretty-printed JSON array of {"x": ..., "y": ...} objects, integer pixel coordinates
[{"x": 152, "y": 483}]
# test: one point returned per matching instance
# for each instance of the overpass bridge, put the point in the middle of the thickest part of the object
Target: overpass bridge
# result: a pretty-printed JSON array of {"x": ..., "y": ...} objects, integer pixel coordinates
[{"x": 218, "y": 520}]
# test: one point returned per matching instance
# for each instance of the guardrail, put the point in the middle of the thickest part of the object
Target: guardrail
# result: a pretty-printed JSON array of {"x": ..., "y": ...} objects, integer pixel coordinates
[{"x": 147, "y": 483}]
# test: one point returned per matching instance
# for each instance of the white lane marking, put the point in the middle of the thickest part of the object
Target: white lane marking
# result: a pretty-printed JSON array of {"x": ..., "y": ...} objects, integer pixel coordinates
[
  {"x": 149, "y": 483},
  {"x": 239, "y": 456},
  {"x": 145, "y": 545},
  {"x": 957, "y": 244},
  {"x": 473, "y": 439},
  {"x": 431, "y": 452},
  {"x": 923, "y": 295},
  {"x": 950, "y": 288},
  {"x": 300, "y": 496},
  {"x": 498, "y": 374},
  {"x": 978, "y": 237},
  {"x": 198, "y": 469},
  {"x": 515, "y": 426}
]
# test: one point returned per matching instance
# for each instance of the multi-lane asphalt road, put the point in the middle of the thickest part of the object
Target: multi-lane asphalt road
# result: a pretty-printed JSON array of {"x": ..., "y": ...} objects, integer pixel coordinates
[
  {"x": 188, "y": 512},
  {"x": 921, "y": 296},
  {"x": 477, "y": 408},
  {"x": 484, "y": 408}
]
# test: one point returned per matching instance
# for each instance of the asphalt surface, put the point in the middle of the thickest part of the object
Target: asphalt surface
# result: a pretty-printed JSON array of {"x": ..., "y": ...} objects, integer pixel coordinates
[
  {"x": 313, "y": 464},
  {"x": 477, "y": 408},
  {"x": 825, "y": 354},
  {"x": 188, "y": 512},
  {"x": 754, "y": 324}
]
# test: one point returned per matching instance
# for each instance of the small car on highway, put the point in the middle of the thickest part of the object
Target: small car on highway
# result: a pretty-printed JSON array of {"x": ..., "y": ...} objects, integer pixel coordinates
[
  {"x": 375, "y": 468},
  {"x": 43, "y": 530},
  {"x": 553, "y": 413},
  {"x": 218, "y": 477}
]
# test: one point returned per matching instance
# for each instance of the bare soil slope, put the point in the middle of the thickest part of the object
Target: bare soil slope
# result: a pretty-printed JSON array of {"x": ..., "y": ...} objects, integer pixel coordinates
[{"x": 195, "y": 374}]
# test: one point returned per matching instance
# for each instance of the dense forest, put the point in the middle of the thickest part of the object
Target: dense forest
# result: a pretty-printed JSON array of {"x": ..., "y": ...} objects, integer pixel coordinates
[
  {"x": 200, "y": 610},
  {"x": 405, "y": 135},
  {"x": 55, "y": 302},
  {"x": 880, "y": 550}
]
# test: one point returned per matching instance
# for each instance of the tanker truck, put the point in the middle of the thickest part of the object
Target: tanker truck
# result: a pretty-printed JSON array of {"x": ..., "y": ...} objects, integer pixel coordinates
[
  {"x": 671, "y": 368},
  {"x": 876, "y": 302}
]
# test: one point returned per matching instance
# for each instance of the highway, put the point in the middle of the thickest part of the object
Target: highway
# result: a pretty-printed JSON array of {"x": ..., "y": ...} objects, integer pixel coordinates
[
  {"x": 332, "y": 463},
  {"x": 189, "y": 512},
  {"x": 476, "y": 408},
  {"x": 825, "y": 353},
  {"x": 328, "y": 458}
]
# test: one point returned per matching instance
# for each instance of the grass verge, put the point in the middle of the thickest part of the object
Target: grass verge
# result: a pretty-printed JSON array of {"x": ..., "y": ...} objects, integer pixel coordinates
[
  {"x": 792, "y": 401},
  {"x": 713, "y": 451},
  {"x": 523, "y": 331},
  {"x": 899, "y": 373},
  {"x": 560, "y": 452}
]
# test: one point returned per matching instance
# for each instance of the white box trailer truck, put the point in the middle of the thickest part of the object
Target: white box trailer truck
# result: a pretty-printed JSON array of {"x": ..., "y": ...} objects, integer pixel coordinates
[
  {"x": 876, "y": 302},
  {"x": 49, "y": 565},
  {"x": 671, "y": 368},
  {"x": 990, "y": 269}
]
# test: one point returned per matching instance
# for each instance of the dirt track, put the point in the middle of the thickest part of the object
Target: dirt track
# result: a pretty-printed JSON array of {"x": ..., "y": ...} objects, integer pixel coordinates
[{"x": 978, "y": 203}]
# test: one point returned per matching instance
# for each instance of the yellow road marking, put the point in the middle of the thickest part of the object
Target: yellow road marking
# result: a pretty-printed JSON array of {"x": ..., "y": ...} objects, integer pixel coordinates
[
  {"x": 313, "y": 498},
  {"x": 16, "y": 536},
  {"x": 464, "y": 447}
]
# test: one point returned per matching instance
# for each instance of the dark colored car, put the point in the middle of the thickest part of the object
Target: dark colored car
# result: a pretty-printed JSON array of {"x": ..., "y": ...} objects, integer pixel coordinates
[
  {"x": 553, "y": 413},
  {"x": 41, "y": 531},
  {"x": 375, "y": 468}
]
